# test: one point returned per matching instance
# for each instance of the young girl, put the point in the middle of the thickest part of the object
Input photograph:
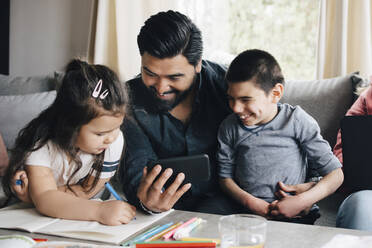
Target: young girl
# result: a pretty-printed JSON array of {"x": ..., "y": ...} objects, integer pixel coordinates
[{"x": 74, "y": 146}]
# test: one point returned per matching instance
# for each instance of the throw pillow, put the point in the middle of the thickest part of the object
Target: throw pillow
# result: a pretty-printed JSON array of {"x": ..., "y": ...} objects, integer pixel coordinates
[
  {"x": 16, "y": 111},
  {"x": 327, "y": 100}
]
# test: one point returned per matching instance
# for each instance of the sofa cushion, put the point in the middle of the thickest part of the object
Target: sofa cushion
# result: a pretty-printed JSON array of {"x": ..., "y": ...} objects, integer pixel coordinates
[
  {"x": 327, "y": 100},
  {"x": 15, "y": 85},
  {"x": 18, "y": 110}
]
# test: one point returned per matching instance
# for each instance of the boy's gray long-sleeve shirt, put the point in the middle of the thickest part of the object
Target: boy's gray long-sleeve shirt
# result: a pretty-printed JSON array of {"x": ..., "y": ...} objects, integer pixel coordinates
[{"x": 283, "y": 149}]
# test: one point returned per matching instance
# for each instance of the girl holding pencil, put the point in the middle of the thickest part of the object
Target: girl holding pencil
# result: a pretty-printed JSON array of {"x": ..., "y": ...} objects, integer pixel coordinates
[{"x": 73, "y": 147}]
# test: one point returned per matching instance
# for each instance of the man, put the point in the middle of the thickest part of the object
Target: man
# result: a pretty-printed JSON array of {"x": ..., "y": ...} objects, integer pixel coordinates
[{"x": 179, "y": 100}]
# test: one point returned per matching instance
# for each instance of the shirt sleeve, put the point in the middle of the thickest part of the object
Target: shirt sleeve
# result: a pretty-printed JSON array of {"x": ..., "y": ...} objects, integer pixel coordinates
[
  {"x": 112, "y": 157},
  {"x": 318, "y": 151},
  {"x": 225, "y": 152},
  {"x": 138, "y": 153},
  {"x": 40, "y": 157}
]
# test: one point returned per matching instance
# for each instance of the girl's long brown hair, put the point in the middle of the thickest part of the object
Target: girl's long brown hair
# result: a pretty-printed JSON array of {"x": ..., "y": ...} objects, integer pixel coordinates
[{"x": 60, "y": 123}]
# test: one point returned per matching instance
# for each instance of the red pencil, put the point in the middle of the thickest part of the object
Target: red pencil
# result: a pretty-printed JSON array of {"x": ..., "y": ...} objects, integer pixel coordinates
[
  {"x": 181, "y": 244},
  {"x": 40, "y": 240}
]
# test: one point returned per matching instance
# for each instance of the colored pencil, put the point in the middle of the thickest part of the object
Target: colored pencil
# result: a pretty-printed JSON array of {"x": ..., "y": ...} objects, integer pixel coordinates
[
  {"x": 138, "y": 237},
  {"x": 185, "y": 231},
  {"x": 180, "y": 244},
  {"x": 113, "y": 192},
  {"x": 154, "y": 232},
  {"x": 159, "y": 235},
  {"x": 217, "y": 241},
  {"x": 170, "y": 234}
]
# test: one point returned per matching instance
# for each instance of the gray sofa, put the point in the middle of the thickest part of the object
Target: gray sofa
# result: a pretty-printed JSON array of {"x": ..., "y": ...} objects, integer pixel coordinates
[{"x": 23, "y": 98}]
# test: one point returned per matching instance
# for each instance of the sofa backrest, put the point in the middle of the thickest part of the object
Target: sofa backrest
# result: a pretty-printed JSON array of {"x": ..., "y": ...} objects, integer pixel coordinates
[
  {"x": 327, "y": 100},
  {"x": 21, "y": 100}
]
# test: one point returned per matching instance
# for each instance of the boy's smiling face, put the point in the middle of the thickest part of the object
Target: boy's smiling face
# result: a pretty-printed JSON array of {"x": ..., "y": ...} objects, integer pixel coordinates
[{"x": 252, "y": 105}]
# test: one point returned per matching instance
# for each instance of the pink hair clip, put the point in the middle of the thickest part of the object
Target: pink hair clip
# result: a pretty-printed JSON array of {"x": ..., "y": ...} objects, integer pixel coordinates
[{"x": 97, "y": 91}]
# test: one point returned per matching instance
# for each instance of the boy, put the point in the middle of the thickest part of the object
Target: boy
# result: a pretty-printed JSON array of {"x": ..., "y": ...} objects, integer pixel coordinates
[{"x": 264, "y": 144}]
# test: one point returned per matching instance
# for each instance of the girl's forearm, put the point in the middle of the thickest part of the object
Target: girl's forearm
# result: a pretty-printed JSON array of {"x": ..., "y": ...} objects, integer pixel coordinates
[
  {"x": 58, "y": 204},
  {"x": 84, "y": 192}
]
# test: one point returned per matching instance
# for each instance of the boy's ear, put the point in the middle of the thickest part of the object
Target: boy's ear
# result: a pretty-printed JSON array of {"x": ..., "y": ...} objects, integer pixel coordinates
[
  {"x": 198, "y": 67},
  {"x": 277, "y": 92}
]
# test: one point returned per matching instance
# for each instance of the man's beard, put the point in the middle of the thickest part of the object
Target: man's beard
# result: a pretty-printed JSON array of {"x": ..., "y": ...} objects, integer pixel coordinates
[{"x": 166, "y": 105}]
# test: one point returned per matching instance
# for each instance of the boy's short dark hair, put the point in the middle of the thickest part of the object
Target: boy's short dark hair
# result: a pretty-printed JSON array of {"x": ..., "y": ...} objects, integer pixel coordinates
[
  {"x": 255, "y": 65},
  {"x": 168, "y": 34}
]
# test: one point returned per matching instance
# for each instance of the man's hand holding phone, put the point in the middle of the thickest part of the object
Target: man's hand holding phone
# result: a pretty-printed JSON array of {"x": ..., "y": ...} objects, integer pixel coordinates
[
  {"x": 151, "y": 194},
  {"x": 166, "y": 180}
]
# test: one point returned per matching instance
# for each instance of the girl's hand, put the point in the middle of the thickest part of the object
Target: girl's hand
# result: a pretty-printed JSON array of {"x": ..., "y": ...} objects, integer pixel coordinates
[
  {"x": 21, "y": 190},
  {"x": 114, "y": 213}
]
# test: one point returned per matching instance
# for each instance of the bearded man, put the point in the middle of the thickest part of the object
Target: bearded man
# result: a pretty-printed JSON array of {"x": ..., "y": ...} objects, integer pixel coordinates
[{"x": 178, "y": 100}]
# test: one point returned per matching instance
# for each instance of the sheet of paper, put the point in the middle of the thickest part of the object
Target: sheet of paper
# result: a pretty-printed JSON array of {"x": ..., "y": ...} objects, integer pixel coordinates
[
  {"x": 24, "y": 219},
  {"x": 28, "y": 219},
  {"x": 349, "y": 241},
  {"x": 91, "y": 230}
]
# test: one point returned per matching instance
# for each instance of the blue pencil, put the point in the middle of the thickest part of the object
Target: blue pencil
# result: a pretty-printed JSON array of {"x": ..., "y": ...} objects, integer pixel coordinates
[
  {"x": 113, "y": 192},
  {"x": 139, "y": 237},
  {"x": 153, "y": 232}
]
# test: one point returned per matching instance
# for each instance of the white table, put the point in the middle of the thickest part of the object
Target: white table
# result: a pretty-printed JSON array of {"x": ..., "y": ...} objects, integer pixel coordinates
[{"x": 279, "y": 234}]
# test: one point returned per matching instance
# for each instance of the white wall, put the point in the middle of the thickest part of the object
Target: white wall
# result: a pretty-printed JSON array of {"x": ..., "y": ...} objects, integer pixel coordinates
[{"x": 46, "y": 34}]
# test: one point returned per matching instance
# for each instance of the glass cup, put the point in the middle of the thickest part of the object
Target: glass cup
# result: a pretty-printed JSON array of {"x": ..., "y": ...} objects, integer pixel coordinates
[{"x": 242, "y": 231}]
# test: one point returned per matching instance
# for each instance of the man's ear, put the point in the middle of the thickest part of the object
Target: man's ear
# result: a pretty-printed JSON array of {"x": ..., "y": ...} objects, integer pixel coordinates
[
  {"x": 198, "y": 66},
  {"x": 277, "y": 92}
]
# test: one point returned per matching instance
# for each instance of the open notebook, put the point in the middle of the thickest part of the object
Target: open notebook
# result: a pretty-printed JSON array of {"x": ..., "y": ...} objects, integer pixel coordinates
[
  {"x": 28, "y": 219},
  {"x": 22, "y": 241}
]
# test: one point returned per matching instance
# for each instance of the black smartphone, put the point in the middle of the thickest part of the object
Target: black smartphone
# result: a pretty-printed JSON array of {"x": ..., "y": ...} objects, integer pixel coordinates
[{"x": 195, "y": 167}]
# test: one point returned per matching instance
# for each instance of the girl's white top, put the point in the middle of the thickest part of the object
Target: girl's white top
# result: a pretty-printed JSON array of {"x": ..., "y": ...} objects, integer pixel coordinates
[{"x": 51, "y": 156}]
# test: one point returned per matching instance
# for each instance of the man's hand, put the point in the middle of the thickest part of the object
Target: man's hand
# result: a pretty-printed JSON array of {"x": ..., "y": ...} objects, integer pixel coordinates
[
  {"x": 21, "y": 190},
  {"x": 150, "y": 193}
]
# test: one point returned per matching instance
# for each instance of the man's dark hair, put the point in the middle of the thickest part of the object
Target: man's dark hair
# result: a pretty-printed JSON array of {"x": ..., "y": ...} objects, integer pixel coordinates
[
  {"x": 256, "y": 65},
  {"x": 168, "y": 34}
]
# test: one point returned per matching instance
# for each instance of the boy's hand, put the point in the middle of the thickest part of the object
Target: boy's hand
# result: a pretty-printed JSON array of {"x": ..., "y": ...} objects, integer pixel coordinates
[
  {"x": 21, "y": 190},
  {"x": 290, "y": 190},
  {"x": 115, "y": 213},
  {"x": 260, "y": 207},
  {"x": 293, "y": 189},
  {"x": 288, "y": 207}
]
